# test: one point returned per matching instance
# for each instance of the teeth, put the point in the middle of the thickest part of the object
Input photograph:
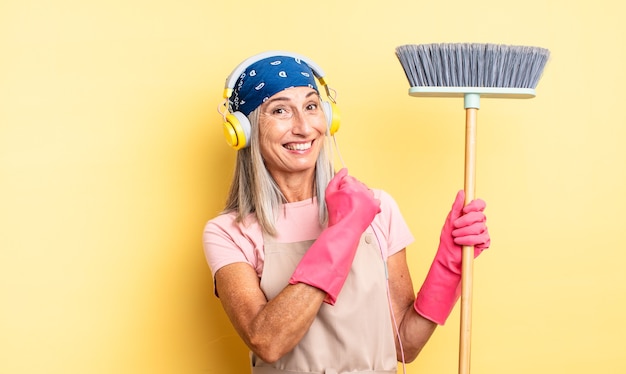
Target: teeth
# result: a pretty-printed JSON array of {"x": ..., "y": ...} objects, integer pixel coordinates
[{"x": 298, "y": 146}]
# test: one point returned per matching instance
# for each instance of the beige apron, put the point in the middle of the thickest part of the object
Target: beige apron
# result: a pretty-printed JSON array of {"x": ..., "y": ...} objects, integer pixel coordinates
[{"x": 353, "y": 336}]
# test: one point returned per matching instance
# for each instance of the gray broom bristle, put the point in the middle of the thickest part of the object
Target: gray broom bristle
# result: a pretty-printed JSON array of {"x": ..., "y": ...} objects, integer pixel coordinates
[{"x": 472, "y": 65}]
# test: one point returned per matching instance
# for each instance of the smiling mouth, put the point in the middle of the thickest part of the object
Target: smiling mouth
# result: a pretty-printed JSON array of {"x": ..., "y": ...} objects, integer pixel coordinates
[{"x": 298, "y": 146}]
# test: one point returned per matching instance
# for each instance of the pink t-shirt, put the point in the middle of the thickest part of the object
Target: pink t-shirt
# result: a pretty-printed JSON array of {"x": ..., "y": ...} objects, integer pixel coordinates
[{"x": 226, "y": 241}]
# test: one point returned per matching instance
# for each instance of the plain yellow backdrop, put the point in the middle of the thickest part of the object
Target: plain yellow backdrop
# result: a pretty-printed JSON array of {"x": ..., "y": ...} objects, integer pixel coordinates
[{"x": 112, "y": 159}]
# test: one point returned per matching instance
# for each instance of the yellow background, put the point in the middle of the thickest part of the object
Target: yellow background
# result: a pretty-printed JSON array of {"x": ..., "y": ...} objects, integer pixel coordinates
[{"x": 112, "y": 159}]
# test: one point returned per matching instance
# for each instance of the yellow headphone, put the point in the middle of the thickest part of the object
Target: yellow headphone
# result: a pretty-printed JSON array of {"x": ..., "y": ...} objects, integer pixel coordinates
[{"x": 236, "y": 126}]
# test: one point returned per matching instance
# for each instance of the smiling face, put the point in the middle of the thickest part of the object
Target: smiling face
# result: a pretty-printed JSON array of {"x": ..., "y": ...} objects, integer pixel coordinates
[{"x": 292, "y": 127}]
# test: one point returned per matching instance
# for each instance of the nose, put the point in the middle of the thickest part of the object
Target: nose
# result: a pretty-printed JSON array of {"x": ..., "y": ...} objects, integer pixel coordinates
[{"x": 301, "y": 123}]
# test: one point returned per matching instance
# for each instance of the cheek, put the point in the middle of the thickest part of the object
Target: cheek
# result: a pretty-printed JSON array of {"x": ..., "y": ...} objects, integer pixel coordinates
[
  {"x": 269, "y": 131},
  {"x": 270, "y": 134},
  {"x": 264, "y": 134},
  {"x": 320, "y": 123},
  {"x": 264, "y": 140}
]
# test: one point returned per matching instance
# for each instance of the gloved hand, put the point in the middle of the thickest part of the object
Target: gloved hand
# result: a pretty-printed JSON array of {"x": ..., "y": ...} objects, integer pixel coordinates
[
  {"x": 441, "y": 289},
  {"x": 351, "y": 209}
]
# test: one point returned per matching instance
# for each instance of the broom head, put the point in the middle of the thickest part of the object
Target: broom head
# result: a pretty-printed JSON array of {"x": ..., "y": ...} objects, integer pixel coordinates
[{"x": 455, "y": 69}]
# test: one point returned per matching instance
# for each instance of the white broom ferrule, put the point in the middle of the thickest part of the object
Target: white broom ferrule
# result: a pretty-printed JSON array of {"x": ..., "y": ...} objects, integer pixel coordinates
[{"x": 472, "y": 100}]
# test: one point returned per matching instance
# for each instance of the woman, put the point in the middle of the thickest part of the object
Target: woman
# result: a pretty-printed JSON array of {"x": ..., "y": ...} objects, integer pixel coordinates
[{"x": 310, "y": 266}]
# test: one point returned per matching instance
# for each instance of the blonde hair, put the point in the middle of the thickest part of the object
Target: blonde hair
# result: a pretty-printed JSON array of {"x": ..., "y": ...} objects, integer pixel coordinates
[{"x": 254, "y": 191}]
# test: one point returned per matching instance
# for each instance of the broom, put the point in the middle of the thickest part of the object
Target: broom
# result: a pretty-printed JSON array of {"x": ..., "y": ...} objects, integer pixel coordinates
[{"x": 471, "y": 70}]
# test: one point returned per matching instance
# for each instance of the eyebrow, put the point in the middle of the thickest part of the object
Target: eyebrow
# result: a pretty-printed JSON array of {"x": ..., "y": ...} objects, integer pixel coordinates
[{"x": 283, "y": 98}]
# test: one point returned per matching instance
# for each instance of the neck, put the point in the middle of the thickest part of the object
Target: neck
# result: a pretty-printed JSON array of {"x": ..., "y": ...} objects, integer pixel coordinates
[{"x": 296, "y": 187}]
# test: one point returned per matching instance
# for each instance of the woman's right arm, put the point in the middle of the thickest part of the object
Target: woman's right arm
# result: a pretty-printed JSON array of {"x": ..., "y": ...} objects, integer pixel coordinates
[{"x": 269, "y": 329}]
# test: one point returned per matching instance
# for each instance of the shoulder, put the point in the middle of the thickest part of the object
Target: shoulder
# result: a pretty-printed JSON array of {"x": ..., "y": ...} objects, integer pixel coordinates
[
  {"x": 227, "y": 223},
  {"x": 226, "y": 240},
  {"x": 390, "y": 222},
  {"x": 388, "y": 204}
]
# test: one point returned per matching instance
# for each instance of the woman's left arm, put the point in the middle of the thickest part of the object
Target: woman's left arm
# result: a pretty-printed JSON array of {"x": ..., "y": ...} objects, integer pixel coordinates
[
  {"x": 414, "y": 329},
  {"x": 465, "y": 225}
]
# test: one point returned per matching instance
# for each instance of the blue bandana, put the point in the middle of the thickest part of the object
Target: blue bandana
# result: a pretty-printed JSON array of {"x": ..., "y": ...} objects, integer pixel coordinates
[{"x": 266, "y": 77}]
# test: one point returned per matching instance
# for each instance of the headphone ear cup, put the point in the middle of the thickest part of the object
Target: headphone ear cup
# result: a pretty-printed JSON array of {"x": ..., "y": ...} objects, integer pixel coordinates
[
  {"x": 332, "y": 116},
  {"x": 237, "y": 130}
]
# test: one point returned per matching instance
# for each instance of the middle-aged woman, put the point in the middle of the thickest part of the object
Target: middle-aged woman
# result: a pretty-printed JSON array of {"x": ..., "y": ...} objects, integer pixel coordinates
[{"x": 310, "y": 266}]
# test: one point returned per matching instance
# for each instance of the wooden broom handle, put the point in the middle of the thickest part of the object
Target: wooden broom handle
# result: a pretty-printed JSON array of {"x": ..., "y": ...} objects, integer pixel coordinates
[{"x": 467, "y": 269}]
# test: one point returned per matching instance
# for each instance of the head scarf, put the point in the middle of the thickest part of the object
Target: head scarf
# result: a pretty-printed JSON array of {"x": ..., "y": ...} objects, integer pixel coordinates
[{"x": 264, "y": 78}]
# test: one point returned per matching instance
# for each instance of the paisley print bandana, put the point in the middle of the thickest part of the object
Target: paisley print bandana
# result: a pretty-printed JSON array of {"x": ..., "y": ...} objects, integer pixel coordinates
[{"x": 266, "y": 77}]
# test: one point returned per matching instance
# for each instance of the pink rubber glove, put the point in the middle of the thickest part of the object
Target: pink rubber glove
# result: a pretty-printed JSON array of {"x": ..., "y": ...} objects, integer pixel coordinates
[
  {"x": 441, "y": 289},
  {"x": 351, "y": 209}
]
